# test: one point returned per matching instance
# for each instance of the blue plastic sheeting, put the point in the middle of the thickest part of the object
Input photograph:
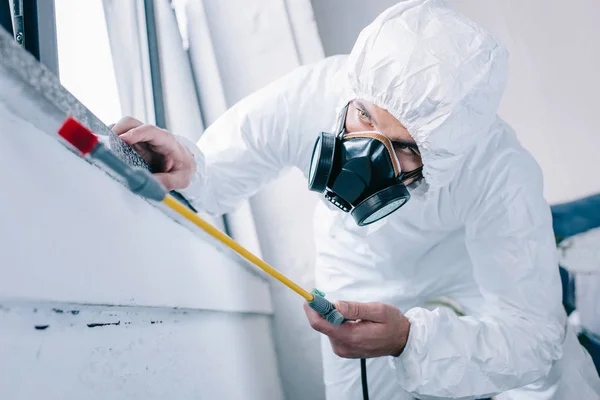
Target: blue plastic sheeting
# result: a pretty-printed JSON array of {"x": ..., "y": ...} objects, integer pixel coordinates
[
  {"x": 570, "y": 219},
  {"x": 576, "y": 217}
]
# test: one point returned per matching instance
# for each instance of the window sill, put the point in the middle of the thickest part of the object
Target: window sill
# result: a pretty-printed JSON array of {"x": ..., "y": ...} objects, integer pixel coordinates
[{"x": 72, "y": 234}]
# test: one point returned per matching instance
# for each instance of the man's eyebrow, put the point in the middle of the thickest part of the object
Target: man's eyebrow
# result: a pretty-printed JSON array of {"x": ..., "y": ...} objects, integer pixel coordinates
[
  {"x": 406, "y": 143},
  {"x": 363, "y": 108}
]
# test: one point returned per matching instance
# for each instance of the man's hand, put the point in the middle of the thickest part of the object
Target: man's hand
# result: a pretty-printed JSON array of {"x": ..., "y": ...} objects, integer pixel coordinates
[
  {"x": 173, "y": 165},
  {"x": 376, "y": 329}
]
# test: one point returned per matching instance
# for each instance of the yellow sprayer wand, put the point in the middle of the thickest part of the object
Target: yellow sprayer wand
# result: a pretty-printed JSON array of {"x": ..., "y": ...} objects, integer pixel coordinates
[
  {"x": 141, "y": 182},
  {"x": 191, "y": 216}
]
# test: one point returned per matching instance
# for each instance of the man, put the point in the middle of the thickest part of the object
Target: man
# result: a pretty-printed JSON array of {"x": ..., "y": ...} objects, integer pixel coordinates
[{"x": 476, "y": 229}]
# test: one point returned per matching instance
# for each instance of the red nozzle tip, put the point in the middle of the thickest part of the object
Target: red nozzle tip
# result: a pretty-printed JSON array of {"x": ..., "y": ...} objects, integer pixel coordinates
[{"x": 78, "y": 135}]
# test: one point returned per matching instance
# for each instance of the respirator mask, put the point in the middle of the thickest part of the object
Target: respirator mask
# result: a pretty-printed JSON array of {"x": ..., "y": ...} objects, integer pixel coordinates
[{"x": 359, "y": 173}]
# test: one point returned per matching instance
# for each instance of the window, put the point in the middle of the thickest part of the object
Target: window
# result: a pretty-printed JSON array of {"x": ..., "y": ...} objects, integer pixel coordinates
[{"x": 84, "y": 57}]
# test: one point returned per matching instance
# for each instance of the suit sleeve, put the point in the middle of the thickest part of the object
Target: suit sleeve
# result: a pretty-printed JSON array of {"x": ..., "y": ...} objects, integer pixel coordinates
[{"x": 270, "y": 130}]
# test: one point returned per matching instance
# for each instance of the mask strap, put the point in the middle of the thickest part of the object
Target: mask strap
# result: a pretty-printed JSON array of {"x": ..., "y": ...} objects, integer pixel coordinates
[{"x": 414, "y": 174}]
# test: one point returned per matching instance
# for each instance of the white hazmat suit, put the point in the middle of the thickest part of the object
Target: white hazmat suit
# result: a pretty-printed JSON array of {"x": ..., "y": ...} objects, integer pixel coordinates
[{"x": 477, "y": 230}]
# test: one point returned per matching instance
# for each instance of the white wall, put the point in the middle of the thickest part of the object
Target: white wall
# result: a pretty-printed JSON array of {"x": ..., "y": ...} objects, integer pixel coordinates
[
  {"x": 340, "y": 21},
  {"x": 237, "y": 47},
  {"x": 154, "y": 353},
  {"x": 283, "y": 213},
  {"x": 552, "y": 94},
  {"x": 102, "y": 295}
]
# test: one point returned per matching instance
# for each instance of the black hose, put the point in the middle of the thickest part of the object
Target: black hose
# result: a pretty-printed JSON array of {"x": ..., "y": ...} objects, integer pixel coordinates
[{"x": 363, "y": 378}]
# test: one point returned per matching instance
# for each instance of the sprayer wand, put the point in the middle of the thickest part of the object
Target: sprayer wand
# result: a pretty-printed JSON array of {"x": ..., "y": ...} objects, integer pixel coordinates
[{"x": 142, "y": 183}]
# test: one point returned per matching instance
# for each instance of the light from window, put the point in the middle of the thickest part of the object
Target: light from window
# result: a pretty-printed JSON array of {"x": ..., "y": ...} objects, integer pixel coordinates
[{"x": 84, "y": 57}]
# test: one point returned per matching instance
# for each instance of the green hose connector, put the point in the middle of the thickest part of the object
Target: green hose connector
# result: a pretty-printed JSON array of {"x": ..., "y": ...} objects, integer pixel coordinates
[{"x": 325, "y": 308}]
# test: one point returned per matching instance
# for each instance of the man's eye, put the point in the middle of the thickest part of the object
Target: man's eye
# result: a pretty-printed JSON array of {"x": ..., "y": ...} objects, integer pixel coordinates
[
  {"x": 362, "y": 115},
  {"x": 404, "y": 148}
]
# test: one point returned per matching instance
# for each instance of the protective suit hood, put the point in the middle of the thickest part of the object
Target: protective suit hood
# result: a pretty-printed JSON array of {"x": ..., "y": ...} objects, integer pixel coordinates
[{"x": 438, "y": 73}]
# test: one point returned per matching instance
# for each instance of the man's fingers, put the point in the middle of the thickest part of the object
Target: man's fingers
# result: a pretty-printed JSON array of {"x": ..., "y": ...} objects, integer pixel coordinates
[
  {"x": 147, "y": 134},
  {"x": 341, "y": 350},
  {"x": 125, "y": 124},
  {"x": 375, "y": 312},
  {"x": 317, "y": 322}
]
